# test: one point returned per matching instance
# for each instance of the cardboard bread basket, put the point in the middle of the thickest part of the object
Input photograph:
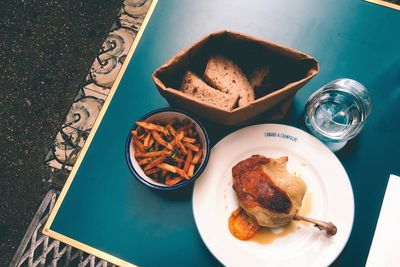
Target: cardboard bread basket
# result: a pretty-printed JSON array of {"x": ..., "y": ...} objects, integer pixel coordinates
[{"x": 290, "y": 70}]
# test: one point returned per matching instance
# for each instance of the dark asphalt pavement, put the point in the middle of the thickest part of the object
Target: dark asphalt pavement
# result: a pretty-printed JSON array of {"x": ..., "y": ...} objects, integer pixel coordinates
[{"x": 46, "y": 50}]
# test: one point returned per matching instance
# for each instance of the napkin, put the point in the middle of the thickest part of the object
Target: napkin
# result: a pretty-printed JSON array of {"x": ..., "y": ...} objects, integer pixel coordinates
[{"x": 385, "y": 245}]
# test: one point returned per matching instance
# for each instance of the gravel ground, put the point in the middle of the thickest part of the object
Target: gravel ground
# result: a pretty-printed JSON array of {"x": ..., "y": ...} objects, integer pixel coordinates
[{"x": 46, "y": 50}]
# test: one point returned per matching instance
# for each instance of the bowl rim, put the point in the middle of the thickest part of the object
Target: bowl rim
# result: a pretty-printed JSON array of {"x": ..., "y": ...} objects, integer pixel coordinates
[{"x": 179, "y": 185}]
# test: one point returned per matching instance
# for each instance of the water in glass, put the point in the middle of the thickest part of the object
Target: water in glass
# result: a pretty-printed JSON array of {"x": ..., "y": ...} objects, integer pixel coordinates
[{"x": 336, "y": 112}]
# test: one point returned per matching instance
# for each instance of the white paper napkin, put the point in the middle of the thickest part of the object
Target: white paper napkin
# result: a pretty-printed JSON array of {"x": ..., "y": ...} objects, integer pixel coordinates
[{"x": 385, "y": 247}]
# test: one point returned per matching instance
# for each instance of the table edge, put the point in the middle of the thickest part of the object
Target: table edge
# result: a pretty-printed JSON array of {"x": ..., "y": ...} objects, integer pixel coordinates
[
  {"x": 384, "y": 3},
  {"x": 47, "y": 227}
]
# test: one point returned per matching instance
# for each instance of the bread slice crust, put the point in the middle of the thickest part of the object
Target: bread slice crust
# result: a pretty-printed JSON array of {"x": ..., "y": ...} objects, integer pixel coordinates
[
  {"x": 223, "y": 74},
  {"x": 196, "y": 87}
]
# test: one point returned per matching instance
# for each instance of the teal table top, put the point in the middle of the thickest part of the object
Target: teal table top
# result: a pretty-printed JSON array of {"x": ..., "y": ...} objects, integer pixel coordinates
[{"x": 106, "y": 211}]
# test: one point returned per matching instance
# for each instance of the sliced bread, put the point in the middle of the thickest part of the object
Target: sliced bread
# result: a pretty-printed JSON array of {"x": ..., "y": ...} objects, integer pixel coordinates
[
  {"x": 260, "y": 80},
  {"x": 196, "y": 87},
  {"x": 258, "y": 75},
  {"x": 223, "y": 74}
]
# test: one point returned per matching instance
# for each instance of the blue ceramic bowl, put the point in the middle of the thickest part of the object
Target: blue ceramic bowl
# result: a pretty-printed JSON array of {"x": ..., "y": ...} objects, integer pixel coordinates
[{"x": 163, "y": 115}]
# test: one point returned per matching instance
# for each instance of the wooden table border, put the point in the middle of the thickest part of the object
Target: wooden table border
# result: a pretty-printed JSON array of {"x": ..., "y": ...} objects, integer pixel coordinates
[
  {"x": 47, "y": 228},
  {"x": 384, "y": 3}
]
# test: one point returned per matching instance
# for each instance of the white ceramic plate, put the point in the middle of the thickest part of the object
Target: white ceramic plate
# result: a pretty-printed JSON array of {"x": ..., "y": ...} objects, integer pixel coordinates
[{"x": 330, "y": 198}]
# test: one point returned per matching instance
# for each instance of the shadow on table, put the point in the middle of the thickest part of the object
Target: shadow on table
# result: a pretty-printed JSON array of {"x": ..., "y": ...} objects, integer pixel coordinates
[
  {"x": 184, "y": 193},
  {"x": 349, "y": 148}
]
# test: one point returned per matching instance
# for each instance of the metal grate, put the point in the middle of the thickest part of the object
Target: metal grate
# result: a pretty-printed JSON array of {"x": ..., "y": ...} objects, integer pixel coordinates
[
  {"x": 78, "y": 123},
  {"x": 37, "y": 249}
]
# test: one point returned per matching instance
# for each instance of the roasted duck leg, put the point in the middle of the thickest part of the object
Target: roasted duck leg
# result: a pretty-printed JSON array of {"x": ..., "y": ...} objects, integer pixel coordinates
[{"x": 269, "y": 194}]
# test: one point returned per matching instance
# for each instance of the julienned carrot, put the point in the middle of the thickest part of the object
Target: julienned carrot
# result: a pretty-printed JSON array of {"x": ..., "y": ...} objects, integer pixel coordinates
[
  {"x": 151, "y": 142},
  {"x": 150, "y": 126},
  {"x": 191, "y": 170},
  {"x": 161, "y": 141},
  {"x": 153, "y": 154},
  {"x": 188, "y": 161},
  {"x": 173, "y": 181},
  {"x": 185, "y": 127},
  {"x": 179, "y": 160},
  {"x": 170, "y": 130},
  {"x": 154, "y": 163},
  {"x": 146, "y": 140},
  {"x": 145, "y": 161},
  {"x": 197, "y": 157},
  {"x": 189, "y": 140},
  {"x": 191, "y": 146},
  {"x": 178, "y": 138},
  {"x": 151, "y": 171},
  {"x": 138, "y": 145},
  {"x": 173, "y": 169}
]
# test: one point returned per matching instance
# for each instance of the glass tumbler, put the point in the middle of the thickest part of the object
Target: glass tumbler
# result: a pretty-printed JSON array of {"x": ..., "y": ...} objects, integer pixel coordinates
[{"x": 337, "y": 112}]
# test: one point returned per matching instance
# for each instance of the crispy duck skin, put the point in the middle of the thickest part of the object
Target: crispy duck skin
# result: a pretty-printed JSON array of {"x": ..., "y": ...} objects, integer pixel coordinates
[
  {"x": 254, "y": 186},
  {"x": 267, "y": 191}
]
